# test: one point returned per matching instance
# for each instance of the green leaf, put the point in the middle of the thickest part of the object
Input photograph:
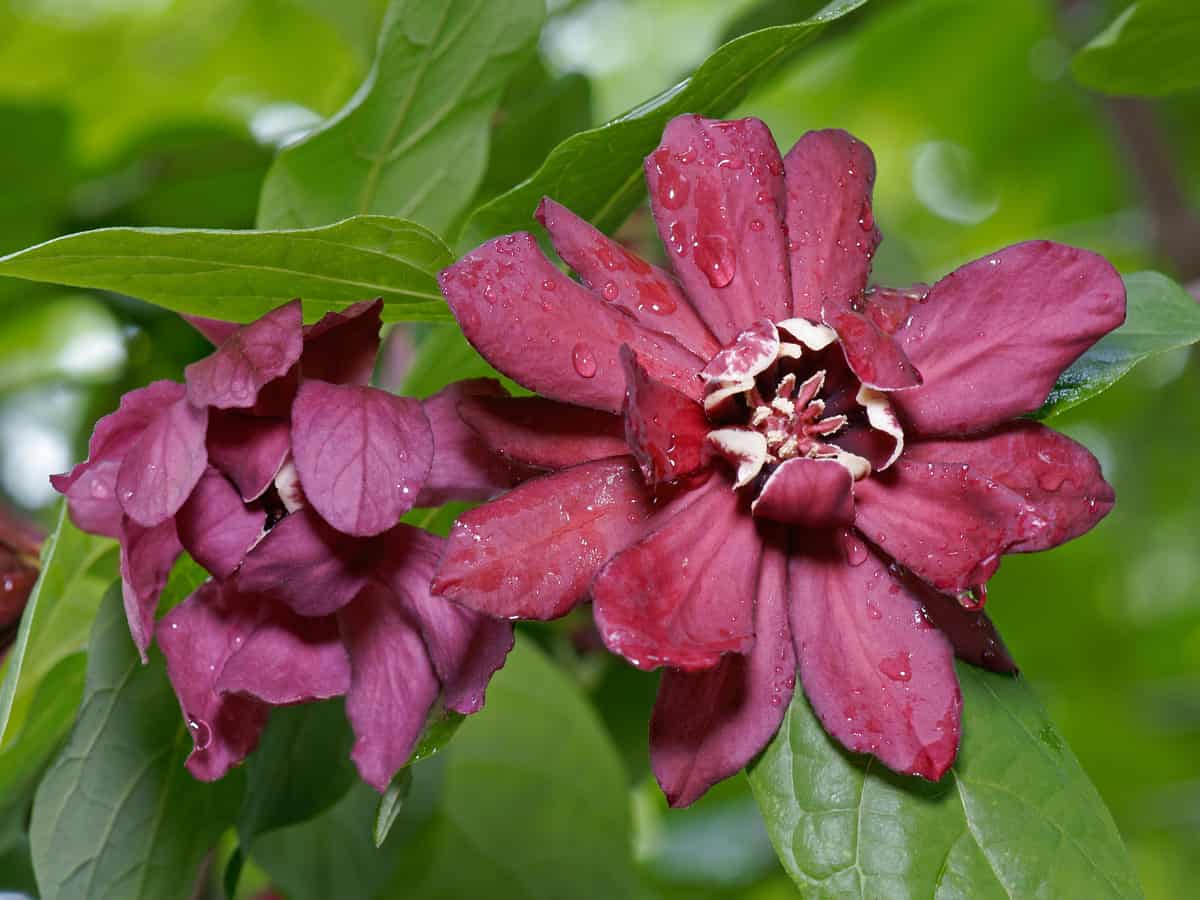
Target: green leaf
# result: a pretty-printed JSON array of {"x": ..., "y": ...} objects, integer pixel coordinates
[
  {"x": 239, "y": 275},
  {"x": 391, "y": 803},
  {"x": 56, "y": 699},
  {"x": 118, "y": 815},
  {"x": 443, "y": 356},
  {"x": 598, "y": 173},
  {"x": 1015, "y": 817},
  {"x": 413, "y": 140},
  {"x": 1160, "y": 316},
  {"x": 1149, "y": 49}
]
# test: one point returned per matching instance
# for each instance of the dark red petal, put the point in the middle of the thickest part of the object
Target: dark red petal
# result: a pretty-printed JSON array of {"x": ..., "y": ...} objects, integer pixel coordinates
[
  {"x": 811, "y": 493},
  {"x": 969, "y": 631},
  {"x": 217, "y": 331},
  {"x": 665, "y": 430},
  {"x": 684, "y": 595},
  {"x": 216, "y": 527},
  {"x": 162, "y": 466},
  {"x": 545, "y": 434},
  {"x": 872, "y": 354},
  {"x": 392, "y": 685},
  {"x": 465, "y": 647},
  {"x": 341, "y": 347},
  {"x": 551, "y": 334},
  {"x": 878, "y": 675},
  {"x": 717, "y": 193},
  {"x": 993, "y": 336},
  {"x": 288, "y": 659},
  {"x": 249, "y": 449},
  {"x": 946, "y": 522},
  {"x": 197, "y": 637},
  {"x": 831, "y": 229},
  {"x": 147, "y": 555},
  {"x": 463, "y": 468},
  {"x": 624, "y": 279},
  {"x": 570, "y": 523},
  {"x": 1060, "y": 480},
  {"x": 362, "y": 454},
  {"x": 708, "y": 725},
  {"x": 311, "y": 567},
  {"x": 247, "y": 360}
]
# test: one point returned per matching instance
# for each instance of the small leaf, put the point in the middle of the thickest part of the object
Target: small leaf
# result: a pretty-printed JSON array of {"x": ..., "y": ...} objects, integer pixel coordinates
[
  {"x": 597, "y": 174},
  {"x": 391, "y": 803},
  {"x": 1015, "y": 817},
  {"x": 1148, "y": 50},
  {"x": 117, "y": 815},
  {"x": 56, "y": 700},
  {"x": 413, "y": 139},
  {"x": 1160, "y": 316},
  {"x": 240, "y": 275}
]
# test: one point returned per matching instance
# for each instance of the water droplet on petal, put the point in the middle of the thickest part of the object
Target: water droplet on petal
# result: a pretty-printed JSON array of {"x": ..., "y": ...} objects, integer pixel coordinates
[
  {"x": 610, "y": 291},
  {"x": 584, "y": 360},
  {"x": 715, "y": 259},
  {"x": 201, "y": 733},
  {"x": 898, "y": 667}
]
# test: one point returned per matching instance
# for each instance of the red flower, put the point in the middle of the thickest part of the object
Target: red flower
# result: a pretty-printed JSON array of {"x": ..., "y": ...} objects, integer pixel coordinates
[{"x": 769, "y": 466}]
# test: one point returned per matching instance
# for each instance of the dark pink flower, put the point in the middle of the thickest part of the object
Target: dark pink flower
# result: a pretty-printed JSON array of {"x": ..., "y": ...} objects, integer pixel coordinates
[
  {"x": 764, "y": 466},
  {"x": 285, "y": 476}
]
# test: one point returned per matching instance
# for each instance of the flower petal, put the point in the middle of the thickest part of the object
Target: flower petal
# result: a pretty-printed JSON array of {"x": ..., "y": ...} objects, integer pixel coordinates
[
  {"x": 217, "y": 331},
  {"x": 717, "y": 193},
  {"x": 624, "y": 279},
  {"x": 341, "y": 348},
  {"x": 683, "y": 595},
  {"x": 810, "y": 493},
  {"x": 197, "y": 637},
  {"x": 465, "y": 647},
  {"x": 544, "y": 434},
  {"x": 247, "y": 360},
  {"x": 969, "y": 631},
  {"x": 463, "y": 467},
  {"x": 993, "y": 336},
  {"x": 362, "y": 454},
  {"x": 216, "y": 527},
  {"x": 147, "y": 555},
  {"x": 308, "y": 565},
  {"x": 707, "y": 725},
  {"x": 392, "y": 684},
  {"x": 551, "y": 334},
  {"x": 162, "y": 466},
  {"x": 733, "y": 370},
  {"x": 1060, "y": 480},
  {"x": 872, "y": 354},
  {"x": 831, "y": 229},
  {"x": 571, "y": 522},
  {"x": 249, "y": 450},
  {"x": 666, "y": 431},
  {"x": 878, "y": 675},
  {"x": 287, "y": 658}
]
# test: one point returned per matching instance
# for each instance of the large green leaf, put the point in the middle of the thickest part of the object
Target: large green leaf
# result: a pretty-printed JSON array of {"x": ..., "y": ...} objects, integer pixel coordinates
[
  {"x": 1160, "y": 316},
  {"x": 239, "y": 275},
  {"x": 1149, "y": 49},
  {"x": 1016, "y": 817},
  {"x": 598, "y": 173},
  {"x": 413, "y": 140},
  {"x": 118, "y": 815}
]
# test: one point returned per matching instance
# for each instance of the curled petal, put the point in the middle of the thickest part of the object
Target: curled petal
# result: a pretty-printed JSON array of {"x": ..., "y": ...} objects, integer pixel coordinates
[
  {"x": 717, "y": 193},
  {"x": 249, "y": 359},
  {"x": 743, "y": 448},
  {"x": 733, "y": 370},
  {"x": 163, "y": 464},
  {"x": 249, "y": 450},
  {"x": 970, "y": 631},
  {"x": 362, "y": 454},
  {"x": 341, "y": 348},
  {"x": 544, "y": 434},
  {"x": 216, "y": 527},
  {"x": 872, "y": 354},
  {"x": 993, "y": 336},
  {"x": 147, "y": 555},
  {"x": 665, "y": 430},
  {"x": 549, "y": 333},
  {"x": 810, "y": 493}
]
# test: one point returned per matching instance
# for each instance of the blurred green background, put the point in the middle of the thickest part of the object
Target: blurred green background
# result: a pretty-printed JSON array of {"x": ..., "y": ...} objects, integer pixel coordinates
[{"x": 167, "y": 112}]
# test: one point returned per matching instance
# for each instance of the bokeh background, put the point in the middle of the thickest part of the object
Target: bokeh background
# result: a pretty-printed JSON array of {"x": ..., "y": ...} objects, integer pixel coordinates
[{"x": 167, "y": 112}]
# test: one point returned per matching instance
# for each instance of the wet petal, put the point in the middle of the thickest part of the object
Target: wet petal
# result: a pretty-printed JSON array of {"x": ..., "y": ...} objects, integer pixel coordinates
[
  {"x": 969, "y": 631},
  {"x": 147, "y": 555},
  {"x": 549, "y": 333},
  {"x": 163, "y": 464},
  {"x": 878, "y": 675},
  {"x": 197, "y": 637},
  {"x": 341, "y": 348},
  {"x": 872, "y": 354},
  {"x": 545, "y": 434},
  {"x": 362, "y": 454},
  {"x": 831, "y": 229},
  {"x": 811, "y": 493},
  {"x": 666, "y": 431},
  {"x": 717, "y": 193},
  {"x": 392, "y": 684},
  {"x": 249, "y": 449},
  {"x": 247, "y": 360},
  {"x": 993, "y": 336},
  {"x": 216, "y": 527},
  {"x": 732, "y": 371},
  {"x": 463, "y": 467},
  {"x": 707, "y": 725},
  {"x": 684, "y": 594},
  {"x": 624, "y": 279},
  {"x": 571, "y": 522}
]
